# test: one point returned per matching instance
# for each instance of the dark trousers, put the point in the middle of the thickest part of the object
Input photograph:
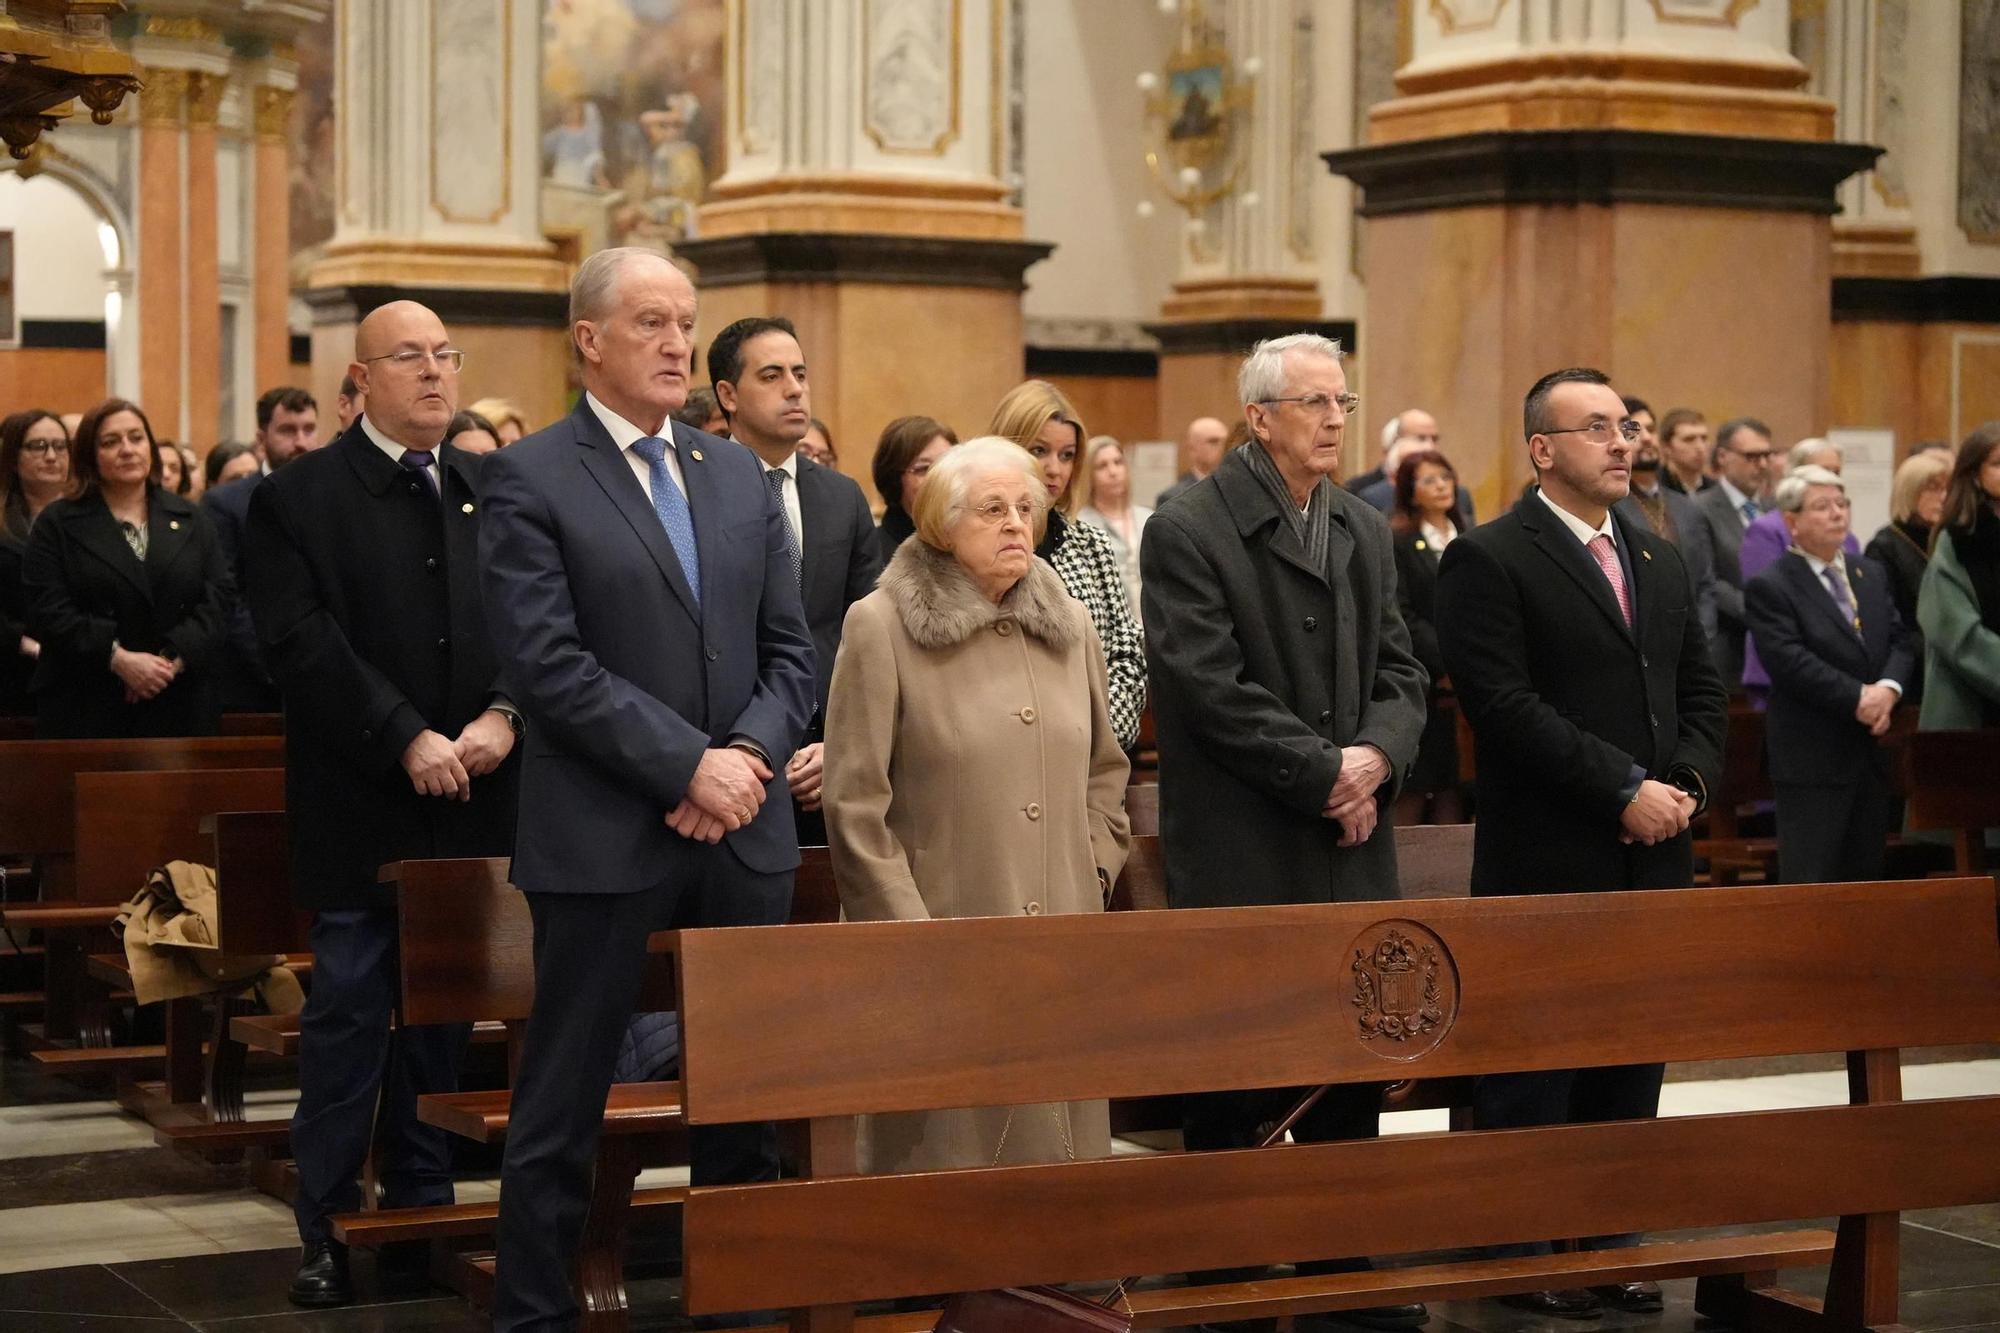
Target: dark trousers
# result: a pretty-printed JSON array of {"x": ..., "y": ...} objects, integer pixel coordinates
[
  {"x": 590, "y": 958},
  {"x": 1215, "y": 1121},
  {"x": 1830, "y": 835},
  {"x": 359, "y": 1082},
  {"x": 1566, "y": 1097}
]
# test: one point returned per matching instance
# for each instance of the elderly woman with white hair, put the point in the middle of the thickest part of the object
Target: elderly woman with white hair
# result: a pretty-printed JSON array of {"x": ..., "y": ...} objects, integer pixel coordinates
[
  {"x": 971, "y": 765},
  {"x": 1839, "y": 660}
]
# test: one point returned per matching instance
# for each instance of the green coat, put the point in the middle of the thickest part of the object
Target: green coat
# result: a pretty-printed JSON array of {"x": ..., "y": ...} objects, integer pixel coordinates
[{"x": 1961, "y": 655}]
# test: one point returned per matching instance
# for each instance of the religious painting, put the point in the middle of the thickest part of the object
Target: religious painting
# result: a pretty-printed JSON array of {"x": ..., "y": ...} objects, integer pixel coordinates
[
  {"x": 632, "y": 118},
  {"x": 1198, "y": 99}
]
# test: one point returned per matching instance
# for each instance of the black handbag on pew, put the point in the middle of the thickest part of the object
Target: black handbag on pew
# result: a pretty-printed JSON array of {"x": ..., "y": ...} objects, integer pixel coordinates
[{"x": 1046, "y": 1309}]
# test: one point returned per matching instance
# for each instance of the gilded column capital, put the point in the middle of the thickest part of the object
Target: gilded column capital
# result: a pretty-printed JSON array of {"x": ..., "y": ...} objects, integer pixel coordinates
[
  {"x": 163, "y": 97},
  {"x": 274, "y": 110},
  {"x": 205, "y": 92},
  {"x": 181, "y": 28}
]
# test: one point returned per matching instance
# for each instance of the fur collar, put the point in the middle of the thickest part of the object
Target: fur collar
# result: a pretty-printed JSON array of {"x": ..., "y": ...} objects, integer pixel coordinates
[{"x": 941, "y": 607}]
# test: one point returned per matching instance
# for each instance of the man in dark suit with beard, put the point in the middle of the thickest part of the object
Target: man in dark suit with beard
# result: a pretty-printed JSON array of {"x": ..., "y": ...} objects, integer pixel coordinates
[
  {"x": 639, "y": 581},
  {"x": 362, "y": 567},
  {"x": 1838, "y": 657},
  {"x": 1597, "y": 716}
]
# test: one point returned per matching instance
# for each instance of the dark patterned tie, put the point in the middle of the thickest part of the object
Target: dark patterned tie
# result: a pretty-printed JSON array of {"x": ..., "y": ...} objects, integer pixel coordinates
[
  {"x": 776, "y": 477},
  {"x": 421, "y": 461}
]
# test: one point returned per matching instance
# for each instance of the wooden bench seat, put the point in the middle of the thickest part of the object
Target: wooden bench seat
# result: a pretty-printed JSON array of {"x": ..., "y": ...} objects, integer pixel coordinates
[
  {"x": 460, "y": 1220},
  {"x": 632, "y": 1108},
  {"x": 793, "y": 1025},
  {"x": 278, "y": 1034}
]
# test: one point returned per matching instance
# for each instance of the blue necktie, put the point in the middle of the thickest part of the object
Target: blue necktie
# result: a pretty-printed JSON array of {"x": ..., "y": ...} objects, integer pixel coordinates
[
  {"x": 420, "y": 461},
  {"x": 1750, "y": 511},
  {"x": 672, "y": 507},
  {"x": 776, "y": 477}
]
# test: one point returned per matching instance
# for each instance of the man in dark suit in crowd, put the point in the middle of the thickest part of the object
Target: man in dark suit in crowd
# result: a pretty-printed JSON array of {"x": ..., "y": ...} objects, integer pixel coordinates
[
  {"x": 1597, "y": 717},
  {"x": 1287, "y": 699},
  {"x": 759, "y": 373},
  {"x": 1666, "y": 512},
  {"x": 1741, "y": 493},
  {"x": 639, "y": 581},
  {"x": 1408, "y": 432},
  {"x": 1202, "y": 447},
  {"x": 287, "y": 428},
  {"x": 362, "y": 561},
  {"x": 1838, "y": 658}
]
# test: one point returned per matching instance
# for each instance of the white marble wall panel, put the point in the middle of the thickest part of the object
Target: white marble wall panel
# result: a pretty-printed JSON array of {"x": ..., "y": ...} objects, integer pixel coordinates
[
  {"x": 232, "y": 185},
  {"x": 470, "y": 110}
]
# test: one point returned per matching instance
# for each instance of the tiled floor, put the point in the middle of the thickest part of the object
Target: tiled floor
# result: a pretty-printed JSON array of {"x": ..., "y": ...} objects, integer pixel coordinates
[{"x": 101, "y": 1230}]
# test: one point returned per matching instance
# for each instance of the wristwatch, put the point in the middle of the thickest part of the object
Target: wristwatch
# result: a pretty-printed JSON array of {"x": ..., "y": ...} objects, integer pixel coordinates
[{"x": 515, "y": 722}]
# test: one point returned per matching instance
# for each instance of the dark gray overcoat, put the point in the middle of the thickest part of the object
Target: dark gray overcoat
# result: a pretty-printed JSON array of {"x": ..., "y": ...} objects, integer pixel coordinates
[{"x": 1262, "y": 668}]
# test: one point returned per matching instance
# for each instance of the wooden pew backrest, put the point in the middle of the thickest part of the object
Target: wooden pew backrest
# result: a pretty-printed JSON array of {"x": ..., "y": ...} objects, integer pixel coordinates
[
  {"x": 128, "y": 823},
  {"x": 38, "y": 778}
]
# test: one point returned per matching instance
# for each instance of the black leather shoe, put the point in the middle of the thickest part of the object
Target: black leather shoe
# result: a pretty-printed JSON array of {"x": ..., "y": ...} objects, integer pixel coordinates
[
  {"x": 1389, "y": 1317},
  {"x": 322, "y": 1277},
  {"x": 1569, "y": 1303},
  {"x": 1638, "y": 1297}
]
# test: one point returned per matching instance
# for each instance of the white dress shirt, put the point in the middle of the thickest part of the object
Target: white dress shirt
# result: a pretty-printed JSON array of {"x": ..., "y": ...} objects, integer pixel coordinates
[
  {"x": 396, "y": 451},
  {"x": 1737, "y": 499},
  {"x": 624, "y": 434},
  {"x": 790, "y": 467},
  {"x": 1579, "y": 529}
]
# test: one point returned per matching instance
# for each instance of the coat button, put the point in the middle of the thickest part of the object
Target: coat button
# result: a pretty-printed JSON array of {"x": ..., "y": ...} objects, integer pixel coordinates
[
  {"x": 1284, "y": 775},
  {"x": 713, "y": 654},
  {"x": 1033, "y": 909},
  {"x": 1003, "y": 628},
  {"x": 431, "y": 564},
  {"x": 1028, "y": 716},
  {"x": 1325, "y": 716},
  {"x": 1654, "y": 718},
  {"x": 1034, "y": 811},
  {"x": 367, "y": 735},
  {"x": 1312, "y": 623},
  {"x": 1643, "y": 661},
  {"x": 444, "y": 643}
]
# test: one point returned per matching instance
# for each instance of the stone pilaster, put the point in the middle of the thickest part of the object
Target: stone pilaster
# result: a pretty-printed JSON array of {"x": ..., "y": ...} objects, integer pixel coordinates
[{"x": 438, "y": 198}]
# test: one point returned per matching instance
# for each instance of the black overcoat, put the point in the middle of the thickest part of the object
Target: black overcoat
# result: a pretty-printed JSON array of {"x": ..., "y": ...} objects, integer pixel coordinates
[
  {"x": 85, "y": 589},
  {"x": 1262, "y": 668},
  {"x": 365, "y": 593},
  {"x": 1564, "y": 700}
]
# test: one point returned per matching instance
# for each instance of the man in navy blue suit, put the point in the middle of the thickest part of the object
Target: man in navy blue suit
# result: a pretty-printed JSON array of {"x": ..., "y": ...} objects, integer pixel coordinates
[
  {"x": 1838, "y": 657},
  {"x": 641, "y": 594}
]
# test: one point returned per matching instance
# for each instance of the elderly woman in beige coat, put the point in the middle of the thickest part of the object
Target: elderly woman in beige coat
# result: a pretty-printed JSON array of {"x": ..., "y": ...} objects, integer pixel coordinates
[{"x": 971, "y": 766}]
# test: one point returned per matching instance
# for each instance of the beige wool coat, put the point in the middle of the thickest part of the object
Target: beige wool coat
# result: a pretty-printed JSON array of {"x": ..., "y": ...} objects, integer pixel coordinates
[{"x": 971, "y": 770}]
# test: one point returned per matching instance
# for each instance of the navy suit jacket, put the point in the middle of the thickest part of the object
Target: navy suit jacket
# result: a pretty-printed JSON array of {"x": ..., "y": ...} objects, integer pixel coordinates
[
  {"x": 1818, "y": 665},
  {"x": 624, "y": 678}
]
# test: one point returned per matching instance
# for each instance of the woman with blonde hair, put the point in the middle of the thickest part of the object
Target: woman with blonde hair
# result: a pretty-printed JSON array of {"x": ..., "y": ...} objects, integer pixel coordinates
[
  {"x": 971, "y": 768},
  {"x": 1903, "y": 546},
  {"x": 1038, "y": 417},
  {"x": 1108, "y": 504},
  {"x": 509, "y": 424}
]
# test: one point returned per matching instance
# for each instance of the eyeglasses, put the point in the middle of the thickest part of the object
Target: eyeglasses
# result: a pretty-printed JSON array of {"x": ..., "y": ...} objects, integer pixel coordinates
[
  {"x": 1599, "y": 432},
  {"x": 43, "y": 446},
  {"x": 1753, "y": 455},
  {"x": 447, "y": 358},
  {"x": 996, "y": 512},
  {"x": 1316, "y": 404}
]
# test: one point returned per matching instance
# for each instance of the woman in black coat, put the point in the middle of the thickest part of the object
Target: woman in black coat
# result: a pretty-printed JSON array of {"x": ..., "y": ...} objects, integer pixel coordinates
[
  {"x": 125, "y": 588},
  {"x": 1903, "y": 546},
  {"x": 1424, "y": 523},
  {"x": 34, "y": 474}
]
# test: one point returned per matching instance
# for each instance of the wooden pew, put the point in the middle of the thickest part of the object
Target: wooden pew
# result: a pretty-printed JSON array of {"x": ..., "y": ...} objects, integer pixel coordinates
[
  {"x": 37, "y": 819},
  {"x": 791, "y": 1025},
  {"x": 127, "y": 824},
  {"x": 1746, "y": 781},
  {"x": 467, "y": 946},
  {"x": 1952, "y": 779}
]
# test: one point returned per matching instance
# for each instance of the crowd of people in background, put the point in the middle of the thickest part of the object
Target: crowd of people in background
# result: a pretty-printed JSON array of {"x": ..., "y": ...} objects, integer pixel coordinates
[{"x": 957, "y": 677}]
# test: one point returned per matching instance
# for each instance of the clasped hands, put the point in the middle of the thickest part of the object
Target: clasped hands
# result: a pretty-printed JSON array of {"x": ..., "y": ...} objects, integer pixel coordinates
[
  {"x": 144, "y": 674},
  {"x": 438, "y": 767},
  {"x": 1874, "y": 708},
  {"x": 1660, "y": 811},
  {"x": 725, "y": 793},
  {"x": 1363, "y": 770}
]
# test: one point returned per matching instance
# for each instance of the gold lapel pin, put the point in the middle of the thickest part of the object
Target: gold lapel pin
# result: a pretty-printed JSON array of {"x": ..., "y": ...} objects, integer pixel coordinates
[
  {"x": 465, "y": 508},
  {"x": 697, "y": 455},
  {"x": 1645, "y": 555},
  {"x": 175, "y": 524},
  {"x": 1422, "y": 547}
]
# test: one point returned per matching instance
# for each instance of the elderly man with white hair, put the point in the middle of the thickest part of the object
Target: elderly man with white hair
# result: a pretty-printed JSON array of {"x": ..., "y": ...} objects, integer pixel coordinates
[
  {"x": 1769, "y": 537},
  {"x": 1287, "y": 700},
  {"x": 1839, "y": 657}
]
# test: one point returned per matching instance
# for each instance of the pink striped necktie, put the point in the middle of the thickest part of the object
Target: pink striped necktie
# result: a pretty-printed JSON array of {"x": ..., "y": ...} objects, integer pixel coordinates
[{"x": 1607, "y": 560}]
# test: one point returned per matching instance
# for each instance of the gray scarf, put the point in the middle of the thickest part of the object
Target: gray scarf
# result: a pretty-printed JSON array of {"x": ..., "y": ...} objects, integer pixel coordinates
[{"x": 1310, "y": 524}]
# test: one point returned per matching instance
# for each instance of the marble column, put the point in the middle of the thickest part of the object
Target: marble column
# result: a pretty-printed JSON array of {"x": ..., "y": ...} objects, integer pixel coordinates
[
  {"x": 162, "y": 304},
  {"x": 1248, "y": 267},
  {"x": 275, "y": 86},
  {"x": 201, "y": 423},
  {"x": 1642, "y": 185},
  {"x": 438, "y": 194},
  {"x": 864, "y": 198}
]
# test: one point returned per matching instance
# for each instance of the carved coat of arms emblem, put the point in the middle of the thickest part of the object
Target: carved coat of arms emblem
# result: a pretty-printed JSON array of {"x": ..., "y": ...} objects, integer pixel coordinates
[{"x": 1405, "y": 989}]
